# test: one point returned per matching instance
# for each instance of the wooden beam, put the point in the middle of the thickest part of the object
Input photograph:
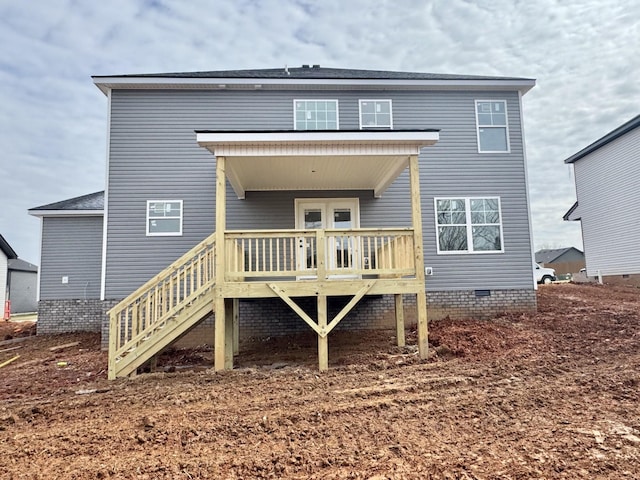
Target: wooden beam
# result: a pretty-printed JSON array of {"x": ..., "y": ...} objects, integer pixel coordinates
[
  {"x": 323, "y": 340},
  {"x": 416, "y": 215},
  {"x": 312, "y": 288},
  {"x": 399, "y": 319},
  {"x": 294, "y": 306},
  {"x": 236, "y": 326},
  {"x": 347, "y": 308},
  {"x": 220, "y": 314},
  {"x": 228, "y": 329}
]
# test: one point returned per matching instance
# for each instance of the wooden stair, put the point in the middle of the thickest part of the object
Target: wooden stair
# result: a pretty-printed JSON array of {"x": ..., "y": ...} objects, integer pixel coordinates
[{"x": 162, "y": 310}]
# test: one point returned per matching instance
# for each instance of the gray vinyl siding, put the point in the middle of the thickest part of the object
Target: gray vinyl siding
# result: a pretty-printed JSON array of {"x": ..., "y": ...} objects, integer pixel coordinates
[
  {"x": 154, "y": 155},
  {"x": 22, "y": 291},
  {"x": 607, "y": 189},
  {"x": 3, "y": 279},
  {"x": 71, "y": 247}
]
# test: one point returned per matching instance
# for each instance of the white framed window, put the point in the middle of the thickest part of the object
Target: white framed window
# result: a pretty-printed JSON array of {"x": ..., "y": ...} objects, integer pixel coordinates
[
  {"x": 492, "y": 126},
  {"x": 164, "y": 217},
  {"x": 375, "y": 114},
  {"x": 469, "y": 225},
  {"x": 315, "y": 114}
]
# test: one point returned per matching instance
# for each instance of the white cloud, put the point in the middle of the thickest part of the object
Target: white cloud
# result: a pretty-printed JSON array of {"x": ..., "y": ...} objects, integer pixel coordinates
[{"x": 52, "y": 131}]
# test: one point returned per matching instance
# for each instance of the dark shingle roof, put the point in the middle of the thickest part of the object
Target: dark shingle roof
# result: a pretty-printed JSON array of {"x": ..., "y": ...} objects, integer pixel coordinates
[
  {"x": 6, "y": 248},
  {"x": 550, "y": 254},
  {"x": 315, "y": 72},
  {"x": 608, "y": 138},
  {"x": 92, "y": 201},
  {"x": 19, "y": 265}
]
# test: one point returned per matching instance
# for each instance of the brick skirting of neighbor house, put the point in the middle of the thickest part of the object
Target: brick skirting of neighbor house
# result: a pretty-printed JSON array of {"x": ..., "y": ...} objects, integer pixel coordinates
[
  {"x": 271, "y": 317},
  {"x": 74, "y": 315}
]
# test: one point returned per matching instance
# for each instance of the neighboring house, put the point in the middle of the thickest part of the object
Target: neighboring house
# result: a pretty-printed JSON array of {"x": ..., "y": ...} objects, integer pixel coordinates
[
  {"x": 6, "y": 253},
  {"x": 304, "y": 198},
  {"x": 607, "y": 176},
  {"x": 562, "y": 260},
  {"x": 18, "y": 282},
  {"x": 71, "y": 264},
  {"x": 22, "y": 286}
]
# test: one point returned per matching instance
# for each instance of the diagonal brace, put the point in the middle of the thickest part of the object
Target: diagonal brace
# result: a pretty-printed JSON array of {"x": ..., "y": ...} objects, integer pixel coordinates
[
  {"x": 294, "y": 306},
  {"x": 347, "y": 308}
]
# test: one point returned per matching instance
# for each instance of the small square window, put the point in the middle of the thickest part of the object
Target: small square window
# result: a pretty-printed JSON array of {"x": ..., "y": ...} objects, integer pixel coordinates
[
  {"x": 164, "y": 217},
  {"x": 375, "y": 114},
  {"x": 315, "y": 114}
]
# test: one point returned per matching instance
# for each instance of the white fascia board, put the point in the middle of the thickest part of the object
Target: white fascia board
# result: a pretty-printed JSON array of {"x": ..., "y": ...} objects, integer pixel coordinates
[
  {"x": 66, "y": 213},
  {"x": 106, "y": 83},
  {"x": 418, "y": 138}
]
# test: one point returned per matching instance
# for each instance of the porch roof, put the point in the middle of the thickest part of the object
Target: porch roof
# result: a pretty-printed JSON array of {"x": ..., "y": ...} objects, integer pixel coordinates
[{"x": 315, "y": 160}]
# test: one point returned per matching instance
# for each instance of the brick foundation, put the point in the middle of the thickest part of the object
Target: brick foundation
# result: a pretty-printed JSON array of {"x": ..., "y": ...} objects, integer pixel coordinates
[
  {"x": 73, "y": 315},
  {"x": 479, "y": 304},
  {"x": 271, "y": 317}
]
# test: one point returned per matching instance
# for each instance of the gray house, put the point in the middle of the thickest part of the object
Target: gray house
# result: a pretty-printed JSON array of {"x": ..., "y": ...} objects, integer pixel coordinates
[
  {"x": 264, "y": 202},
  {"x": 562, "y": 260},
  {"x": 71, "y": 264},
  {"x": 6, "y": 253},
  {"x": 18, "y": 282},
  {"x": 607, "y": 177},
  {"x": 22, "y": 286}
]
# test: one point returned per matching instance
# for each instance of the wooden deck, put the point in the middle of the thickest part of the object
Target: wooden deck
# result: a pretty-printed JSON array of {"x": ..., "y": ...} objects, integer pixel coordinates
[{"x": 272, "y": 263}]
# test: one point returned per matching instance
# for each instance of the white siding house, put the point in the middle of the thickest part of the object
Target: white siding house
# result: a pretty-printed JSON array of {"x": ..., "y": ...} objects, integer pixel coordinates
[{"x": 607, "y": 177}]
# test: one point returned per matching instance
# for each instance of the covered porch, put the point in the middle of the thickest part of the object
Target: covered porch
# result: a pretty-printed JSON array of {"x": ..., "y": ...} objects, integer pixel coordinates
[{"x": 318, "y": 258}]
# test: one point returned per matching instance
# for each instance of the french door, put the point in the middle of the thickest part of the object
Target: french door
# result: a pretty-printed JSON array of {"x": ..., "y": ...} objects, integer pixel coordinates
[{"x": 321, "y": 213}]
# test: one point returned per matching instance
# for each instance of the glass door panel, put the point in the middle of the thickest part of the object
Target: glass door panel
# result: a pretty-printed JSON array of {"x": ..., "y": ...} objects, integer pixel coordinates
[{"x": 341, "y": 250}]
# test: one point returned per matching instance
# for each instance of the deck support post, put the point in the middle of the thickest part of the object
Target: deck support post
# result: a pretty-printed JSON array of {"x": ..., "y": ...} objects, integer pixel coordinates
[
  {"x": 236, "y": 326},
  {"x": 323, "y": 340},
  {"x": 220, "y": 357},
  {"x": 399, "y": 319},
  {"x": 421, "y": 297},
  {"x": 228, "y": 334}
]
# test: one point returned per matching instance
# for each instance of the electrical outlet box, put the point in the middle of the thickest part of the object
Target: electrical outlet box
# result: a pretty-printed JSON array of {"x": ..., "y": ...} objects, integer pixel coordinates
[
  {"x": 428, "y": 270},
  {"x": 65, "y": 280}
]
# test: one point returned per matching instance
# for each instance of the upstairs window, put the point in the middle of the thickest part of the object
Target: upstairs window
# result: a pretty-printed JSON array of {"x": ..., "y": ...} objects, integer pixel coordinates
[
  {"x": 469, "y": 225},
  {"x": 375, "y": 114},
  {"x": 491, "y": 122},
  {"x": 315, "y": 114},
  {"x": 164, "y": 217}
]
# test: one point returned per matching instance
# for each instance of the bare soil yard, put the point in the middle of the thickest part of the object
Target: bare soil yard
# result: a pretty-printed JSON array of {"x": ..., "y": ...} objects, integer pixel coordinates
[{"x": 551, "y": 395}]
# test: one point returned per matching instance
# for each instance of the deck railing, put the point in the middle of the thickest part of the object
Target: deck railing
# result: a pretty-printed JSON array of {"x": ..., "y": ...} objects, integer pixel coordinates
[
  {"x": 161, "y": 297},
  {"x": 327, "y": 253}
]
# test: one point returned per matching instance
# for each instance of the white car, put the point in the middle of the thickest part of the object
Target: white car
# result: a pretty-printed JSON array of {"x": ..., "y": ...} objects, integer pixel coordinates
[{"x": 544, "y": 275}]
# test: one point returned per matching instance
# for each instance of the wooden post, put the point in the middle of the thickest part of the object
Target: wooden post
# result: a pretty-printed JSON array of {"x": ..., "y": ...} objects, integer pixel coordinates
[
  {"x": 323, "y": 341},
  {"x": 236, "y": 326},
  {"x": 399, "y": 319},
  {"x": 228, "y": 341},
  {"x": 114, "y": 334},
  {"x": 421, "y": 298},
  {"x": 221, "y": 317}
]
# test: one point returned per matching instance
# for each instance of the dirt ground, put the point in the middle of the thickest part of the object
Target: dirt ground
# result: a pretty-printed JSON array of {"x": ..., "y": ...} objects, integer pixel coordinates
[{"x": 551, "y": 395}]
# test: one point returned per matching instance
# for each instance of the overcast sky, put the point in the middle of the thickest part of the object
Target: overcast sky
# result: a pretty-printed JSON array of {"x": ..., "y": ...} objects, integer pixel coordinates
[{"x": 584, "y": 54}]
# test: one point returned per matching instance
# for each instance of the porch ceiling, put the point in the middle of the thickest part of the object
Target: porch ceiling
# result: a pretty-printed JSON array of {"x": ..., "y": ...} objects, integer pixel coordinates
[{"x": 336, "y": 160}]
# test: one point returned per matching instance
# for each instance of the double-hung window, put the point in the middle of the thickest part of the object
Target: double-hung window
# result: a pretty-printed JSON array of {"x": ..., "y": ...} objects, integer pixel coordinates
[
  {"x": 164, "y": 217},
  {"x": 491, "y": 123},
  {"x": 375, "y": 114},
  {"x": 469, "y": 225},
  {"x": 315, "y": 114}
]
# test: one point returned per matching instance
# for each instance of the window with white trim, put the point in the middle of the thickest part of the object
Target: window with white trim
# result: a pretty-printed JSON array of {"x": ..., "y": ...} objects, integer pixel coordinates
[
  {"x": 491, "y": 122},
  {"x": 375, "y": 114},
  {"x": 164, "y": 217},
  {"x": 469, "y": 225},
  {"x": 315, "y": 114}
]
